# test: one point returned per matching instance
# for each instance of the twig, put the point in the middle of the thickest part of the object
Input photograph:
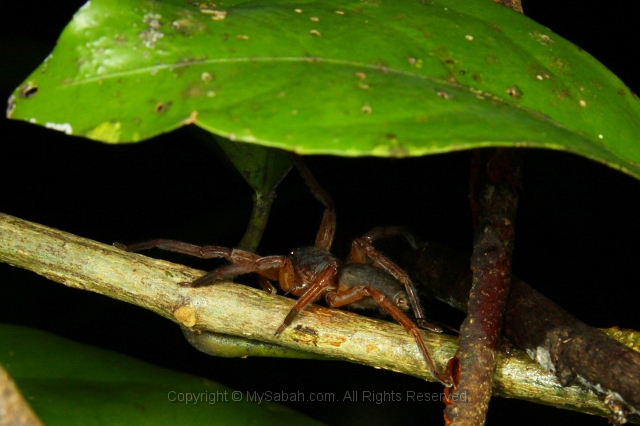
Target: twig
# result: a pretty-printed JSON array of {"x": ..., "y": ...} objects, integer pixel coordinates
[
  {"x": 242, "y": 311},
  {"x": 474, "y": 364}
]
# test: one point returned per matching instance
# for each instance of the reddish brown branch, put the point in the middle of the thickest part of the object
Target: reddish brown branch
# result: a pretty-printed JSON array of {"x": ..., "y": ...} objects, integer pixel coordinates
[
  {"x": 576, "y": 352},
  {"x": 475, "y": 361}
]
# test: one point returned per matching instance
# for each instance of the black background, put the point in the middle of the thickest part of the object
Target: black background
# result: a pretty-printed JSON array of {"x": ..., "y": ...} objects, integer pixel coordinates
[{"x": 576, "y": 235}]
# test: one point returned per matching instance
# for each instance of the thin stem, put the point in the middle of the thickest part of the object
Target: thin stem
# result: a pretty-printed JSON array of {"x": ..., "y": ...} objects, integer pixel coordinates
[{"x": 258, "y": 222}]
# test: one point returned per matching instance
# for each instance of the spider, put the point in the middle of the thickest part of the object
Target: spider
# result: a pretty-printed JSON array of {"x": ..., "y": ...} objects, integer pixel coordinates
[{"x": 313, "y": 272}]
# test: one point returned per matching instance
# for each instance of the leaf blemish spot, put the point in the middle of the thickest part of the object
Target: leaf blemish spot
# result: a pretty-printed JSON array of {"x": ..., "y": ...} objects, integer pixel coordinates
[
  {"x": 314, "y": 19},
  {"x": 444, "y": 95},
  {"x": 206, "y": 76},
  {"x": 205, "y": 5},
  {"x": 153, "y": 20},
  {"x": 298, "y": 10},
  {"x": 543, "y": 39},
  {"x": 469, "y": 37},
  {"x": 583, "y": 103},
  {"x": 315, "y": 33},
  {"x": 514, "y": 92},
  {"x": 64, "y": 127},
  {"x": 192, "y": 119},
  {"x": 162, "y": 107},
  {"x": 361, "y": 75},
  {"x": 242, "y": 37},
  {"x": 28, "y": 91},
  {"x": 366, "y": 108},
  {"x": 414, "y": 62},
  {"x": 217, "y": 15},
  {"x": 339, "y": 12},
  {"x": 152, "y": 35}
]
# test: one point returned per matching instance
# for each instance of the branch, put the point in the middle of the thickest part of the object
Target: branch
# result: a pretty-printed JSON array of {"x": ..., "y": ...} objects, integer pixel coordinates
[
  {"x": 225, "y": 308},
  {"x": 496, "y": 172},
  {"x": 238, "y": 310}
]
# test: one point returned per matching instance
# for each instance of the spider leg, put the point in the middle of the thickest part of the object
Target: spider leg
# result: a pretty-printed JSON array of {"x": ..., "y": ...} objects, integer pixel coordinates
[
  {"x": 324, "y": 239},
  {"x": 244, "y": 263},
  {"x": 392, "y": 231},
  {"x": 325, "y": 281},
  {"x": 266, "y": 285},
  {"x": 361, "y": 248},
  {"x": 358, "y": 253},
  {"x": 178, "y": 247},
  {"x": 204, "y": 252},
  {"x": 351, "y": 295}
]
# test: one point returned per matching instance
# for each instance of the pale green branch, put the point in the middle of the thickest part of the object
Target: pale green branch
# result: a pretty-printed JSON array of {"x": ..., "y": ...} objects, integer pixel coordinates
[{"x": 237, "y": 310}]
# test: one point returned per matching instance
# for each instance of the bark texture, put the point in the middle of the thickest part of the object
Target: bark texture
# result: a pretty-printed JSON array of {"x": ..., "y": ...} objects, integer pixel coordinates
[{"x": 495, "y": 202}]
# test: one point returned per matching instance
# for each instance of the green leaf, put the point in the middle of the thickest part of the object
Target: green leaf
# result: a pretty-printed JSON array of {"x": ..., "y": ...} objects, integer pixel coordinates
[
  {"x": 392, "y": 78},
  {"x": 69, "y": 383},
  {"x": 262, "y": 168}
]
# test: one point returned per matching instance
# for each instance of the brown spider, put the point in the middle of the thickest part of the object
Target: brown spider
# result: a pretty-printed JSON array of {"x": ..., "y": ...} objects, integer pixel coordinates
[{"x": 313, "y": 272}]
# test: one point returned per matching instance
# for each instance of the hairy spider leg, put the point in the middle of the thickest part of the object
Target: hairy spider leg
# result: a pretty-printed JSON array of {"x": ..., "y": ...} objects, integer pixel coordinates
[
  {"x": 208, "y": 252},
  {"x": 327, "y": 230},
  {"x": 245, "y": 263},
  {"x": 351, "y": 295},
  {"x": 391, "y": 231},
  {"x": 361, "y": 248},
  {"x": 242, "y": 260},
  {"x": 326, "y": 281}
]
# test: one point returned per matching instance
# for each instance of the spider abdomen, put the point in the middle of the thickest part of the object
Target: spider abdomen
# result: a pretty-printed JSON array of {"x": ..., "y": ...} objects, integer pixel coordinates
[{"x": 357, "y": 274}]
